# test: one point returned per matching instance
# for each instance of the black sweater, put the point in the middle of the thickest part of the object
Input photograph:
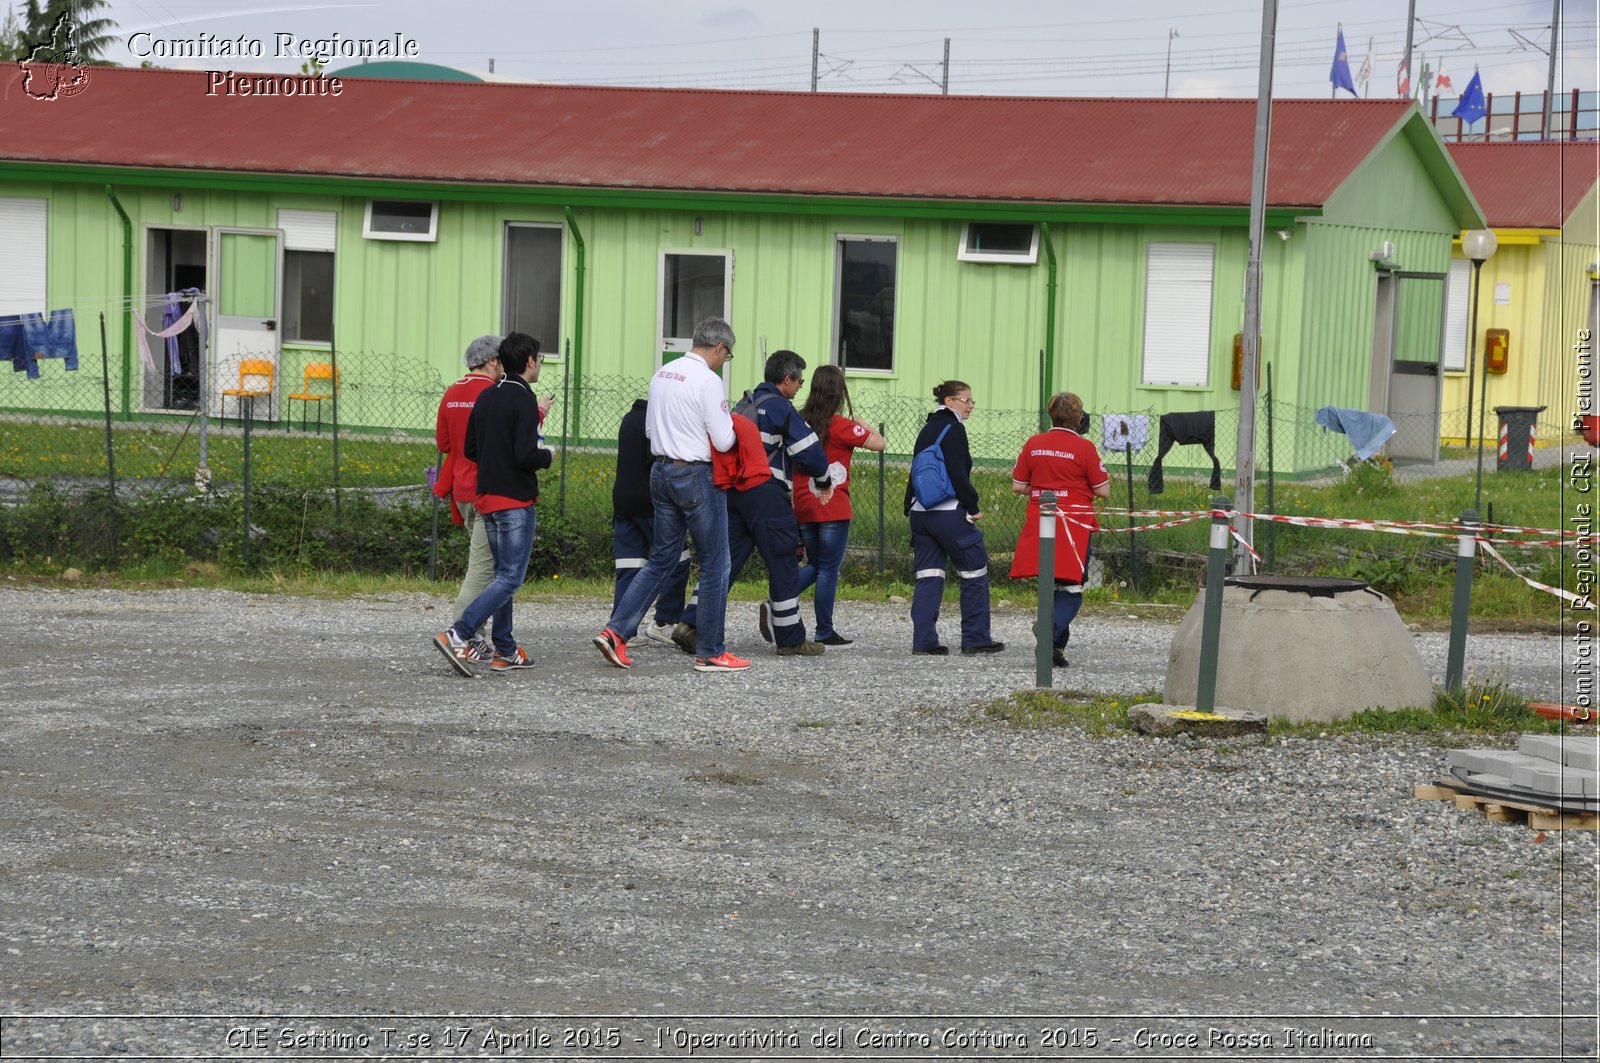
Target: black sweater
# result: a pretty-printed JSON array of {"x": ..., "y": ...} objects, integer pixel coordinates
[
  {"x": 503, "y": 438},
  {"x": 630, "y": 492},
  {"x": 957, "y": 457}
]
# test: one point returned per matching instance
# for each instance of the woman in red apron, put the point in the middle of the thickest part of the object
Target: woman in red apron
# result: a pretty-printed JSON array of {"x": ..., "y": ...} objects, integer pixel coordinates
[{"x": 1062, "y": 461}]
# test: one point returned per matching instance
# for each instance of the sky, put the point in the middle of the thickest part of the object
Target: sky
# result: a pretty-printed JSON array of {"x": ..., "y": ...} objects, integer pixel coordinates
[{"x": 1002, "y": 47}]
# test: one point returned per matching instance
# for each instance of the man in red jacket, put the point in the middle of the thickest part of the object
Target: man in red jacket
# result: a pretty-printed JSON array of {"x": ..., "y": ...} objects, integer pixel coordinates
[
  {"x": 458, "y": 478},
  {"x": 503, "y": 437}
]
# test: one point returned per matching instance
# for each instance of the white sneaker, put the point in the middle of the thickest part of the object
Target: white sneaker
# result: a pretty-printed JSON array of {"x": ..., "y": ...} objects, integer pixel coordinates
[{"x": 661, "y": 633}]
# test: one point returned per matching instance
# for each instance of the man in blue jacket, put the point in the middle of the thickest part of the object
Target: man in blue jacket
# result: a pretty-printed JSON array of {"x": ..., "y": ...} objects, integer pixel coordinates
[{"x": 762, "y": 518}]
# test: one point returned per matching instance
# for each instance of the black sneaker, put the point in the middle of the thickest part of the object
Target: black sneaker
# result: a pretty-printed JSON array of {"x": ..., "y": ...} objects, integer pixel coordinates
[
  {"x": 988, "y": 647},
  {"x": 835, "y": 639},
  {"x": 764, "y": 621},
  {"x": 683, "y": 636},
  {"x": 1059, "y": 659},
  {"x": 937, "y": 651}
]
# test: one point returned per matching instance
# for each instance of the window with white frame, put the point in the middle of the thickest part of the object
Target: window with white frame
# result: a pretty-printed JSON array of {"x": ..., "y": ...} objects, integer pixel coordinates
[
  {"x": 999, "y": 241},
  {"x": 25, "y": 236},
  {"x": 401, "y": 219},
  {"x": 310, "y": 238},
  {"x": 1177, "y": 314},
  {"x": 865, "y": 273},
  {"x": 1457, "y": 303},
  {"x": 531, "y": 288}
]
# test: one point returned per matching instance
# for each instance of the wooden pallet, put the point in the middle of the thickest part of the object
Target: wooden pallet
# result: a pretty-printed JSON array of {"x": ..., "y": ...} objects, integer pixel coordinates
[{"x": 1504, "y": 810}]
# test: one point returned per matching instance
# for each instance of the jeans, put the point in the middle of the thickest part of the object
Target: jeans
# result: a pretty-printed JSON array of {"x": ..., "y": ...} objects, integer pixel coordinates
[
  {"x": 631, "y": 538},
  {"x": 510, "y": 533},
  {"x": 689, "y": 506},
  {"x": 825, "y": 542}
]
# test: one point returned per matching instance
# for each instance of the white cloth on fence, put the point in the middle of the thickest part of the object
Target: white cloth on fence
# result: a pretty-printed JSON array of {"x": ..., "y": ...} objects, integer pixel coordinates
[
  {"x": 171, "y": 330},
  {"x": 1125, "y": 431}
]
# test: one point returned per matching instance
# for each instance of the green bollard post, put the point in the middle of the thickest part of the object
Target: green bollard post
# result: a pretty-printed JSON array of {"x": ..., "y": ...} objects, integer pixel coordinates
[
  {"x": 1211, "y": 627},
  {"x": 1044, "y": 627},
  {"x": 1466, "y": 554}
]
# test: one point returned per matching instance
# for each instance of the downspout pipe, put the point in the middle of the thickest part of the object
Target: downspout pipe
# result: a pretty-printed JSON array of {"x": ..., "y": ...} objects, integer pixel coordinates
[
  {"x": 1049, "y": 325},
  {"x": 575, "y": 371},
  {"x": 127, "y": 302}
]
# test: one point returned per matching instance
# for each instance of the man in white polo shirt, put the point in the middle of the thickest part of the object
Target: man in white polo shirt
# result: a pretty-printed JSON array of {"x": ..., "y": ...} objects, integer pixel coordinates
[{"x": 687, "y": 417}]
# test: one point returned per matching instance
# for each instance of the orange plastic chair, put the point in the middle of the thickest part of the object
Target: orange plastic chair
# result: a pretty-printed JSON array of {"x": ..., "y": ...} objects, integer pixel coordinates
[
  {"x": 326, "y": 381},
  {"x": 255, "y": 381}
]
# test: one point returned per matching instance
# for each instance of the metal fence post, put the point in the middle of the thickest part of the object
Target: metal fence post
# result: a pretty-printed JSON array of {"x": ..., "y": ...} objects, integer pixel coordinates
[
  {"x": 566, "y": 392},
  {"x": 1044, "y": 642},
  {"x": 1466, "y": 554},
  {"x": 1211, "y": 627},
  {"x": 882, "y": 467},
  {"x": 249, "y": 419},
  {"x": 433, "y": 540}
]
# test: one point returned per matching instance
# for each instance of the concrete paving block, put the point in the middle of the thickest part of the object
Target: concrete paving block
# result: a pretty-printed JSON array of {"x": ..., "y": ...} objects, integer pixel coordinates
[
  {"x": 1468, "y": 759},
  {"x": 1490, "y": 779},
  {"x": 1550, "y": 747},
  {"x": 1525, "y": 777},
  {"x": 1581, "y": 753}
]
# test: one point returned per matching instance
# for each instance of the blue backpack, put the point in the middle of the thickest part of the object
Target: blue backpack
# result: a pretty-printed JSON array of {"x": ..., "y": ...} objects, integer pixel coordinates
[{"x": 930, "y": 479}]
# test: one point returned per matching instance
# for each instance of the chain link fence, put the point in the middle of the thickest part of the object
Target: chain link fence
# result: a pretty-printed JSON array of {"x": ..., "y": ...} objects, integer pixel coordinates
[{"x": 357, "y": 462}]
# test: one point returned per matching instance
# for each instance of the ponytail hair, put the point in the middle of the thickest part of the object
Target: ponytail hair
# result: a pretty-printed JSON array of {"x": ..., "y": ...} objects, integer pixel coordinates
[
  {"x": 949, "y": 390},
  {"x": 1066, "y": 410}
]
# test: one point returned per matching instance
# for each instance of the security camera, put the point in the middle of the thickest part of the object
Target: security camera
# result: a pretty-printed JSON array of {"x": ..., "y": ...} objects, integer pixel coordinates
[
  {"x": 1284, "y": 234},
  {"x": 1384, "y": 253}
]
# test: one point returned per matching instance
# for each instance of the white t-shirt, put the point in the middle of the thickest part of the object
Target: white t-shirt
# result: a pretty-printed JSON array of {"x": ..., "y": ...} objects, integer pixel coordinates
[{"x": 688, "y": 411}]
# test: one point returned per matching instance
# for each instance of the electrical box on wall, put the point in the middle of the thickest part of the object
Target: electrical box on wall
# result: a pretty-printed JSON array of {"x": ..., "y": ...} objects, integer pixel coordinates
[{"x": 1497, "y": 350}]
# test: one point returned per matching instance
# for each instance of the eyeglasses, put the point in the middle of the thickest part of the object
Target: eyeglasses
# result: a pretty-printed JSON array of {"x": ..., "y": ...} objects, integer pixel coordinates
[
  {"x": 539, "y": 358},
  {"x": 727, "y": 352},
  {"x": 970, "y": 401}
]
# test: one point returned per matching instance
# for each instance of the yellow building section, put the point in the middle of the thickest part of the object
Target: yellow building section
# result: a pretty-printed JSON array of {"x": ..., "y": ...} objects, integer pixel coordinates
[{"x": 1539, "y": 287}]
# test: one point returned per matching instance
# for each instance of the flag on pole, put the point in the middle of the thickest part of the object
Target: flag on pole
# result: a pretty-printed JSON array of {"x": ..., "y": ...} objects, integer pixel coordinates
[
  {"x": 1441, "y": 81},
  {"x": 1340, "y": 74},
  {"x": 1470, "y": 107},
  {"x": 1364, "y": 75},
  {"x": 1402, "y": 77}
]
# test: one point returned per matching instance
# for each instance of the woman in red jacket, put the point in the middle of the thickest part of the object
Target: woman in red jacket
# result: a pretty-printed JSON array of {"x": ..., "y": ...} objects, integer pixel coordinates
[
  {"x": 1062, "y": 461},
  {"x": 825, "y": 529}
]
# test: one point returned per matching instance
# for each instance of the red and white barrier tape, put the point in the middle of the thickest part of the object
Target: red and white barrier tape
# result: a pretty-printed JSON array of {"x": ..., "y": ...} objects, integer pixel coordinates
[{"x": 1575, "y": 600}]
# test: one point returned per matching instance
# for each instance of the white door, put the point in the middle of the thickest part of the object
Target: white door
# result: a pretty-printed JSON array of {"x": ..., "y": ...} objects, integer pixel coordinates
[
  {"x": 694, "y": 285},
  {"x": 1417, "y": 351},
  {"x": 248, "y": 297}
]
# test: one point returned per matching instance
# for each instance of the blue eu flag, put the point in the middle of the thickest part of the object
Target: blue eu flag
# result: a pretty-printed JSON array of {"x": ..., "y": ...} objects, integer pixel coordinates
[
  {"x": 1470, "y": 107},
  {"x": 1340, "y": 74}
]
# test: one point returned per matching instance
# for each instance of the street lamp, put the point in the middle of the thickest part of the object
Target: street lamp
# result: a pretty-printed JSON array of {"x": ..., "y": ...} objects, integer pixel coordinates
[{"x": 1479, "y": 246}]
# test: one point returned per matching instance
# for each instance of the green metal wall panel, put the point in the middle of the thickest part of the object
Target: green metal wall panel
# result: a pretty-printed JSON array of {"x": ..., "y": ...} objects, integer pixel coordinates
[{"x": 1392, "y": 189}]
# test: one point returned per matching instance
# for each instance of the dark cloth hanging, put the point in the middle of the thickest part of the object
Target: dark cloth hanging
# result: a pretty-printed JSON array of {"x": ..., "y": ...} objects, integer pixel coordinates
[{"x": 1185, "y": 429}]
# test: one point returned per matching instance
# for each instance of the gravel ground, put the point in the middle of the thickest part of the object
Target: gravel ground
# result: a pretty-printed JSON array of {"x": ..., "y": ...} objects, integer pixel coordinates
[{"x": 217, "y": 804}]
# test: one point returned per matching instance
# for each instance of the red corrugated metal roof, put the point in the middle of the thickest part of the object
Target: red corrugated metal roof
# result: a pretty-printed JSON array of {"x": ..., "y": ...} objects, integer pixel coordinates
[
  {"x": 1528, "y": 184},
  {"x": 1109, "y": 151}
]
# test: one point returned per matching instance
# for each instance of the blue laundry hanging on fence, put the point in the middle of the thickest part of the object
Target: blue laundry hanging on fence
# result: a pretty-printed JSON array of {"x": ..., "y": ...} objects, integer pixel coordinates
[
  {"x": 1368, "y": 432},
  {"x": 26, "y": 338}
]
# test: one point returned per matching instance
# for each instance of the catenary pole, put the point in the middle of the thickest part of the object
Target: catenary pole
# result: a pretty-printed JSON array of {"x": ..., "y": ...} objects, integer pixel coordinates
[
  {"x": 1245, "y": 454},
  {"x": 1411, "y": 25},
  {"x": 816, "y": 40},
  {"x": 1545, "y": 132}
]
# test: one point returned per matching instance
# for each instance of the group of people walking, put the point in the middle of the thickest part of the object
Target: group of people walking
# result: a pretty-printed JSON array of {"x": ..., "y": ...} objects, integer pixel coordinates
[{"x": 761, "y": 478}]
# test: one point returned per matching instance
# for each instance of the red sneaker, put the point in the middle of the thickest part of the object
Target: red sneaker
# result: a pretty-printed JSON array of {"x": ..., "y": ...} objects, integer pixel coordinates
[
  {"x": 614, "y": 648},
  {"x": 722, "y": 662}
]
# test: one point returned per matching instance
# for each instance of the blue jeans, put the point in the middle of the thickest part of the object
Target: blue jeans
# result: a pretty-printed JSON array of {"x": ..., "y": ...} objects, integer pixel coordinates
[
  {"x": 688, "y": 506},
  {"x": 510, "y": 533},
  {"x": 825, "y": 542}
]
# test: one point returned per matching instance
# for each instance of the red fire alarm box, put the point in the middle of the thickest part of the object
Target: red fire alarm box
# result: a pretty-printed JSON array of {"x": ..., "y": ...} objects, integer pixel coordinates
[
  {"x": 1238, "y": 361},
  {"x": 1497, "y": 350}
]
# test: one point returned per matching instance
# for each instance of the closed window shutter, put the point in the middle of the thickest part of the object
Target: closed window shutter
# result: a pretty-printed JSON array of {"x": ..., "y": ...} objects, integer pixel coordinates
[
  {"x": 308, "y": 230},
  {"x": 24, "y": 235},
  {"x": 1455, "y": 326},
  {"x": 1177, "y": 314}
]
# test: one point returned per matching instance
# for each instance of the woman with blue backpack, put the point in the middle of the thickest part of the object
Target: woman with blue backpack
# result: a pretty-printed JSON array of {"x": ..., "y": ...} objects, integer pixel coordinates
[{"x": 943, "y": 508}]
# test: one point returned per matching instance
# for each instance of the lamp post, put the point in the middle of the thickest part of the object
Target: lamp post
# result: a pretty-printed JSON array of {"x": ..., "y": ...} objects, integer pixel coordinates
[{"x": 1479, "y": 246}]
